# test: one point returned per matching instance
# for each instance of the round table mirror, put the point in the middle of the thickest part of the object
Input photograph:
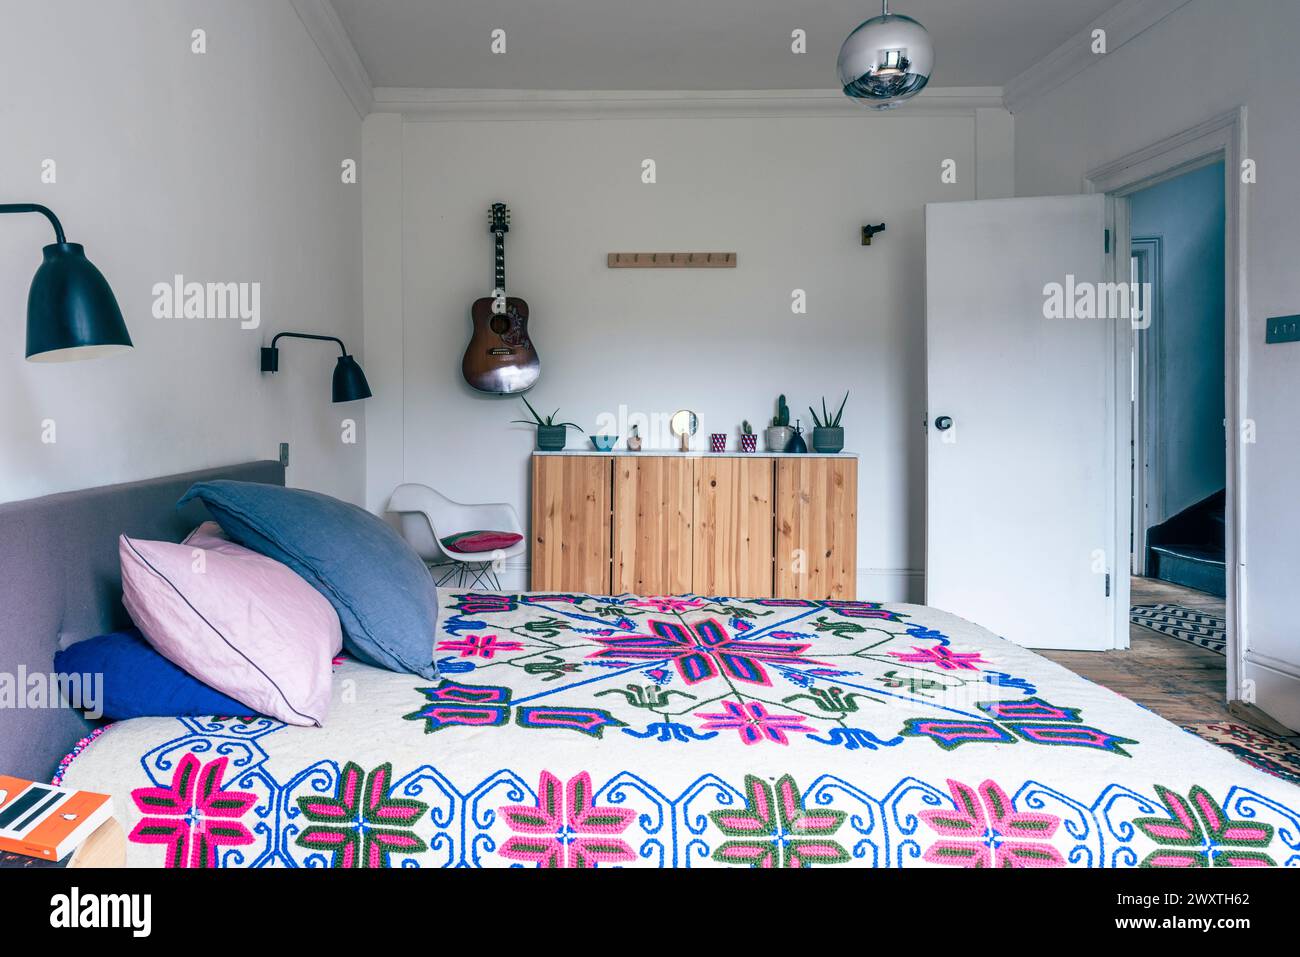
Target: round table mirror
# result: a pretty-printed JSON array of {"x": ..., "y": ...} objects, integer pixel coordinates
[{"x": 684, "y": 424}]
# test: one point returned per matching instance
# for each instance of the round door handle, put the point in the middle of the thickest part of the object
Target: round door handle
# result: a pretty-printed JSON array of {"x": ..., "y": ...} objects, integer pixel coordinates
[{"x": 943, "y": 423}]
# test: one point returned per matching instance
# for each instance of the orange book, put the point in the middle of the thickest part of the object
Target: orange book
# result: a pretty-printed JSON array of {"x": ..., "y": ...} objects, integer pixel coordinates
[{"x": 48, "y": 822}]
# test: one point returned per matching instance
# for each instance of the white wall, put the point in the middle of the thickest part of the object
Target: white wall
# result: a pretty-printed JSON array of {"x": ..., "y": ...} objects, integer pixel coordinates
[
  {"x": 787, "y": 194},
  {"x": 1206, "y": 58},
  {"x": 222, "y": 167},
  {"x": 1186, "y": 214}
]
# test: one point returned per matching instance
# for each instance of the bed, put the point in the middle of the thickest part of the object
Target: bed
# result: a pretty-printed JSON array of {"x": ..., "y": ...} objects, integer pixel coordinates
[
  {"x": 585, "y": 731},
  {"x": 579, "y": 731}
]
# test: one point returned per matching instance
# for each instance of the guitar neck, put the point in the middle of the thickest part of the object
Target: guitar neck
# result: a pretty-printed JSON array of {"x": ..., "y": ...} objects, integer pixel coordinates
[{"x": 501, "y": 262}]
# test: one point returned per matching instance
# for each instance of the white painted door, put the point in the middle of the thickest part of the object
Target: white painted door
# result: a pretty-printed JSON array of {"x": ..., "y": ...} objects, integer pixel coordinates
[{"x": 1020, "y": 522}]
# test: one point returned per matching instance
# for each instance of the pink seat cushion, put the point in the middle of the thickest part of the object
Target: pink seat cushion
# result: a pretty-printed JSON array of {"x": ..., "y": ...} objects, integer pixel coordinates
[
  {"x": 480, "y": 541},
  {"x": 238, "y": 621}
]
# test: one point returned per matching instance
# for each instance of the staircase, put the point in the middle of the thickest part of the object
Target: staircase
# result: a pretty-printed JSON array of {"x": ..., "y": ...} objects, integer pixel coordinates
[{"x": 1188, "y": 548}]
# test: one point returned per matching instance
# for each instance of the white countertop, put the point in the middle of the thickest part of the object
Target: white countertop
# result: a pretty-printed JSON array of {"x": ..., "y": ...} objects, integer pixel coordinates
[{"x": 702, "y": 454}]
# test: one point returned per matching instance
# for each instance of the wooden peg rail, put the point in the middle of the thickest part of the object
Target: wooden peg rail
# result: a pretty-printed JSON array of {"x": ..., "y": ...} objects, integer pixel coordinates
[{"x": 671, "y": 261}]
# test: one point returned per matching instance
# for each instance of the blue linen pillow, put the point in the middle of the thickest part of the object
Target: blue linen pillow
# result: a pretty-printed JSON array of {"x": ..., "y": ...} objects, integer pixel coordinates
[
  {"x": 140, "y": 683},
  {"x": 384, "y": 595}
]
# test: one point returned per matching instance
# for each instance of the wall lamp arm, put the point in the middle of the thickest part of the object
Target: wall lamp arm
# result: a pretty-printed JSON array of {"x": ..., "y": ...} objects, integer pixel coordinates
[
  {"x": 37, "y": 208},
  {"x": 307, "y": 335}
]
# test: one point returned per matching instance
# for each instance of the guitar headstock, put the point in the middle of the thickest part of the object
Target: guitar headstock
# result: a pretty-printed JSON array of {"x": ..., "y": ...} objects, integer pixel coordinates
[{"x": 499, "y": 218}]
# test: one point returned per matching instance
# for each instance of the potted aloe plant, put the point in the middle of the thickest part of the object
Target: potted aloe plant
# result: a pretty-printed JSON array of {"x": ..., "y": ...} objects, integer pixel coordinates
[
  {"x": 551, "y": 435},
  {"x": 778, "y": 434},
  {"x": 828, "y": 434}
]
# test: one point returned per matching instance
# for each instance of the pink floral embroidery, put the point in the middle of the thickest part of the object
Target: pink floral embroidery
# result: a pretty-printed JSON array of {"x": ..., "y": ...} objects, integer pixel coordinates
[
  {"x": 665, "y": 604},
  {"x": 704, "y": 651},
  {"x": 479, "y": 646},
  {"x": 988, "y": 832},
  {"x": 565, "y": 828},
  {"x": 193, "y": 816},
  {"x": 754, "y": 722},
  {"x": 943, "y": 657}
]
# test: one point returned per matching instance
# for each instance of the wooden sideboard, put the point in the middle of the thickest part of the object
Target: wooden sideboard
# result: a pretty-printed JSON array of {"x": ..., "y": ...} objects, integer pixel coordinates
[{"x": 748, "y": 525}]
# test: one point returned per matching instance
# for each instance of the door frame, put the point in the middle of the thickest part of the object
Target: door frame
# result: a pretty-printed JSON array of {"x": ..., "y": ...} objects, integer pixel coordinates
[
  {"x": 1148, "y": 463},
  {"x": 1220, "y": 138}
]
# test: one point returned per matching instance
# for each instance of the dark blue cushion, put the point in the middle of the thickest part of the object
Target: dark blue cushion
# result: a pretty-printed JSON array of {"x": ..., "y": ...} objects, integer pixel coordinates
[
  {"x": 140, "y": 683},
  {"x": 385, "y": 597}
]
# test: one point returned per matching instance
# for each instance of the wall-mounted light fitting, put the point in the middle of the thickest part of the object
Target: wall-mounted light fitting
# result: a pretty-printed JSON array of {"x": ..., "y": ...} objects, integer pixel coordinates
[
  {"x": 71, "y": 311},
  {"x": 349, "y": 381},
  {"x": 870, "y": 231}
]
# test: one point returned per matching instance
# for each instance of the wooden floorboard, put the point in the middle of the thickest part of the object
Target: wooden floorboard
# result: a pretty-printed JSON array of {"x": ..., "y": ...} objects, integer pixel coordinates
[{"x": 1177, "y": 680}]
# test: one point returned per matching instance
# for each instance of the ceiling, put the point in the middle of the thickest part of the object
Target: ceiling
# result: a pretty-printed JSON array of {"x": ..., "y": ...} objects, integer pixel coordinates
[{"x": 685, "y": 44}]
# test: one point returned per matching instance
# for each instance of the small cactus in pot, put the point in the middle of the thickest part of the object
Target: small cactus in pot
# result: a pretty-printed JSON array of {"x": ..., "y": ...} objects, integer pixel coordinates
[
  {"x": 748, "y": 440},
  {"x": 778, "y": 434}
]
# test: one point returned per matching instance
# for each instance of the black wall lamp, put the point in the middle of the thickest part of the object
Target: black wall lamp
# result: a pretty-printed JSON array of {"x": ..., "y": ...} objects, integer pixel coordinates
[
  {"x": 349, "y": 381},
  {"x": 71, "y": 311}
]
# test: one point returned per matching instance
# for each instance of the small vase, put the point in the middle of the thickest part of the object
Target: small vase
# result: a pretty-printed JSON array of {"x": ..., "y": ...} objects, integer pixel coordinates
[
  {"x": 777, "y": 437},
  {"x": 718, "y": 442},
  {"x": 748, "y": 441},
  {"x": 551, "y": 438},
  {"x": 828, "y": 439}
]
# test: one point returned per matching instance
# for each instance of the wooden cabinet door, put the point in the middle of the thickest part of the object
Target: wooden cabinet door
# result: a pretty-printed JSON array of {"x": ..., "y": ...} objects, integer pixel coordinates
[
  {"x": 571, "y": 516},
  {"x": 816, "y": 528},
  {"x": 733, "y": 527},
  {"x": 653, "y": 515}
]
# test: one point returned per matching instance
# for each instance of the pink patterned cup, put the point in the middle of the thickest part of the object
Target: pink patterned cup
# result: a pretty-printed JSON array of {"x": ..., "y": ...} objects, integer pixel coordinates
[
  {"x": 748, "y": 441},
  {"x": 718, "y": 441}
]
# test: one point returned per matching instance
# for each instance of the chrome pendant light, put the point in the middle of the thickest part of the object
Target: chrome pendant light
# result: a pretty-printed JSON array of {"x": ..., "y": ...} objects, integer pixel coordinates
[{"x": 886, "y": 60}]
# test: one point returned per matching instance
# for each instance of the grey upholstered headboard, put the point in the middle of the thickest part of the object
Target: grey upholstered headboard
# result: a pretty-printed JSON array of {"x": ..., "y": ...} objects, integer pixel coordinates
[{"x": 60, "y": 582}]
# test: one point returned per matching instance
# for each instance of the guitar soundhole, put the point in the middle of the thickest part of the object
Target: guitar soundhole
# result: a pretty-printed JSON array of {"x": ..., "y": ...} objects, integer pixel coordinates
[{"x": 500, "y": 325}]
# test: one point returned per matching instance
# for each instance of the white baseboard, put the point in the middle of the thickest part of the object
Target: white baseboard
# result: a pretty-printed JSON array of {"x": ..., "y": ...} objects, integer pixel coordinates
[{"x": 874, "y": 584}]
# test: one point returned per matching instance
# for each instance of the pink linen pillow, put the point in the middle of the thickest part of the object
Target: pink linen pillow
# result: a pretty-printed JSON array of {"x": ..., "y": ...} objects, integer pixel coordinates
[{"x": 238, "y": 621}]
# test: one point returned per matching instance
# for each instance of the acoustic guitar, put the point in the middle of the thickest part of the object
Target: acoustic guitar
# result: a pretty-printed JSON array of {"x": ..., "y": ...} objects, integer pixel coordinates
[{"x": 500, "y": 358}]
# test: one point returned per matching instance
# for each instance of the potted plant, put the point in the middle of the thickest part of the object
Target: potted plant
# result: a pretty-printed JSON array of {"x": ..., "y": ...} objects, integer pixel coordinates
[
  {"x": 551, "y": 435},
  {"x": 748, "y": 440},
  {"x": 828, "y": 435},
  {"x": 778, "y": 434}
]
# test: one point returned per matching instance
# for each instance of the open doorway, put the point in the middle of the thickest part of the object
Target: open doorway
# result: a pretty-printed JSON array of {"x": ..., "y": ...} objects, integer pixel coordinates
[
  {"x": 1221, "y": 139},
  {"x": 1179, "y": 446}
]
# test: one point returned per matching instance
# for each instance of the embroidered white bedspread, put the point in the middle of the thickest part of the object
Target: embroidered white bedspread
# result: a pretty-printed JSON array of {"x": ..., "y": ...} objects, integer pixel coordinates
[{"x": 579, "y": 731}]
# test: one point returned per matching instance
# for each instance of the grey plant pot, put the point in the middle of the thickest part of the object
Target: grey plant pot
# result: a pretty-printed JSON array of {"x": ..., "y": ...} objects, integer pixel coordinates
[
  {"x": 551, "y": 438},
  {"x": 828, "y": 439},
  {"x": 777, "y": 437}
]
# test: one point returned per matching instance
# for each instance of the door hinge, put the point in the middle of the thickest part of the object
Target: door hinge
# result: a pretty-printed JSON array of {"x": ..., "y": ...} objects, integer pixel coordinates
[
  {"x": 1108, "y": 584},
  {"x": 1108, "y": 241}
]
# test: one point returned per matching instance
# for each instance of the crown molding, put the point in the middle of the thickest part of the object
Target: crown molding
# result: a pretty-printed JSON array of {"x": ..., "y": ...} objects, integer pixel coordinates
[
  {"x": 1122, "y": 23},
  {"x": 327, "y": 32},
  {"x": 441, "y": 105}
]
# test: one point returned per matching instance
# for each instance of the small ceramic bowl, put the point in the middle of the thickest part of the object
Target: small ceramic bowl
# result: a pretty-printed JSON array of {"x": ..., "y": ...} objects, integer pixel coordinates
[{"x": 603, "y": 443}]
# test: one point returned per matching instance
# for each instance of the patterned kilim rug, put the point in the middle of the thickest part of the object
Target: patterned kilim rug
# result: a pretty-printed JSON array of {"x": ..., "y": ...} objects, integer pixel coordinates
[
  {"x": 1186, "y": 624},
  {"x": 1271, "y": 754}
]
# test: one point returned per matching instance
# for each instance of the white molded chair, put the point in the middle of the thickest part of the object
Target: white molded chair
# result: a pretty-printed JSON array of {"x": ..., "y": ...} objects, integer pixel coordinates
[{"x": 427, "y": 517}]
